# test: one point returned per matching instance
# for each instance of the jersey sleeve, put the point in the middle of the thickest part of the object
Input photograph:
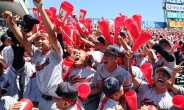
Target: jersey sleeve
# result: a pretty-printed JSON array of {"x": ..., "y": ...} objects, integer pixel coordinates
[
  {"x": 57, "y": 55},
  {"x": 143, "y": 87}
]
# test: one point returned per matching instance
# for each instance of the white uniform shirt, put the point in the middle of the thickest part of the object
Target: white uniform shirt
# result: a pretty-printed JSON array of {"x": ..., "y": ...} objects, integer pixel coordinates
[
  {"x": 102, "y": 74},
  {"x": 48, "y": 70},
  {"x": 29, "y": 81},
  {"x": 8, "y": 55},
  {"x": 85, "y": 75},
  {"x": 6, "y": 102},
  {"x": 149, "y": 96},
  {"x": 10, "y": 83}
]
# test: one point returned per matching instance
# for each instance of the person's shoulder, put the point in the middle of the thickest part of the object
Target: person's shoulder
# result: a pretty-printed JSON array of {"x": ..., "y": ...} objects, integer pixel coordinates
[{"x": 120, "y": 69}]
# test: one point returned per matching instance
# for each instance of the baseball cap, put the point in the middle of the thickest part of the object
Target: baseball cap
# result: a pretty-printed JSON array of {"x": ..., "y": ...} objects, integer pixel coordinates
[
  {"x": 112, "y": 84},
  {"x": 11, "y": 35},
  {"x": 29, "y": 21},
  {"x": 68, "y": 91},
  {"x": 166, "y": 69},
  {"x": 100, "y": 39},
  {"x": 3, "y": 37},
  {"x": 112, "y": 50},
  {"x": 166, "y": 41}
]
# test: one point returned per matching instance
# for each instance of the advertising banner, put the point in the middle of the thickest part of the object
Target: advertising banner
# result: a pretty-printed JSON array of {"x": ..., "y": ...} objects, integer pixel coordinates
[
  {"x": 176, "y": 15},
  {"x": 176, "y": 24},
  {"x": 173, "y": 7},
  {"x": 175, "y": 1},
  {"x": 152, "y": 24}
]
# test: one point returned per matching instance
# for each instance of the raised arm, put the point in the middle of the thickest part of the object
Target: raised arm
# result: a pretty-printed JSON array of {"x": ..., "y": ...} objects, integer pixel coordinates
[
  {"x": 168, "y": 57},
  {"x": 129, "y": 57},
  {"x": 176, "y": 89},
  {"x": 48, "y": 25},
  {"x": 8, "y": 18}
]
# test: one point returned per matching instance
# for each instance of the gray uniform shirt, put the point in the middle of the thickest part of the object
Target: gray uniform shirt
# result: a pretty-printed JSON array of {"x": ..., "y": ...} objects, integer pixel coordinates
[{"x": 48, "y": 69}]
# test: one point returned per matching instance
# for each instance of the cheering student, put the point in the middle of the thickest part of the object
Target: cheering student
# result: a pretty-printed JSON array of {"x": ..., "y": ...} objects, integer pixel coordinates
[
  {"x": 113, "y": 90},
  {"x": 68, "y": 97},
  {"x": 80, "y": 73},
  {"x": 158, "y": 94},
  {"x": 164, "y": 49},
  {"x": 47, "y": 57}
]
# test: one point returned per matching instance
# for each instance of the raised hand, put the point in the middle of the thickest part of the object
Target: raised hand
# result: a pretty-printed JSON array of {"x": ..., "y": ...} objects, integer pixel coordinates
[
  {"x": 7, "y": 16},
  {"x": 38, "y": 3}
]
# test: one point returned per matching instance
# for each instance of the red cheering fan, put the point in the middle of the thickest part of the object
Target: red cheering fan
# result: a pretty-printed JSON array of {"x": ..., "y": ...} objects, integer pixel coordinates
[
  {"x": 35, "y": 12},
  {"x": 132, "y": 27},
  {"x": 88, "y": 22},
  {"x": 104, "y": 27},
  {"x": 82, "y": 29},
  {"x": 147, "y": 71},
  {"x": 82, "y": 14},
  {"x": 138, "y": 19},
  {"x": 84, "y": 91},
  {"x": 26, "y": 104},
  {"x": 118, "y": 23},
  {"x": 142, "y": 39},
  {"x": 65, "y": 10},
  {"x": 68, "y": 32},
  {"x": 53, "y": 11},
  {"x": 66, "y": 65},
  {"x": 178, "y": 101},
  {"x": 131, "y": 98}
]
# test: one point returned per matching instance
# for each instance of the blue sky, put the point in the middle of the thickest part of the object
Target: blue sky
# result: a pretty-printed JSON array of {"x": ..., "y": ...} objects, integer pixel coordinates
[{"x": 151, "y": 10}]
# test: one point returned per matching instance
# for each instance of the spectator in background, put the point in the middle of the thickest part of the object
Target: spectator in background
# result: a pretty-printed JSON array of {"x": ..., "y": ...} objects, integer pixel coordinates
[
  {"x": 178, "y": 55},
  {"x": 4, "y": 29}
]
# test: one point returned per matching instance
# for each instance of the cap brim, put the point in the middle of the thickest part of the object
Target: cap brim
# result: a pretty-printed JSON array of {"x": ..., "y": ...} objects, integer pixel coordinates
[
  {"x": 4, "y": 91},
  {"x": 105, "y": 51},
  {"x": 121, "y": 79},
  {"x": 36, "y": 21},
  {"x": 164, "y": 69}
]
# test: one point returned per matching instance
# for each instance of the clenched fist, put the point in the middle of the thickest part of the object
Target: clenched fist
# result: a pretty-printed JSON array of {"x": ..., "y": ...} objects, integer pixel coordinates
[
  {"x": 38, "y": 3},
  {"x": 7, "y": 16}
]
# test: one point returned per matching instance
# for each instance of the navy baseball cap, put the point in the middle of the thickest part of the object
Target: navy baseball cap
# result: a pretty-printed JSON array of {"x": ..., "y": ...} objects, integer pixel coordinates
[
  {"x": 112, "y": 84},
  {"x": 100, "y": 39},
  {"x": 29, "y": 21},
  {"x": 3, "y": 37},
  {"x": 66, "y": 90},
  {"x": 11, "y": 35},
  {"x": 112, "y": 50}
]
